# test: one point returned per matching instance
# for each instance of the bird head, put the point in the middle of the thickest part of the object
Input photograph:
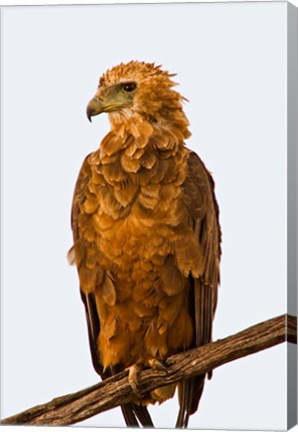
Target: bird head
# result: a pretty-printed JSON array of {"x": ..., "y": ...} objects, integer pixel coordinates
[{"x": 134, "y": 89}]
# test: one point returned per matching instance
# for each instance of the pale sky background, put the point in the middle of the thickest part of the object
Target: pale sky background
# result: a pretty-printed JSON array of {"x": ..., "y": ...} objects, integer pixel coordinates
[{"x": 230, "y": 61}]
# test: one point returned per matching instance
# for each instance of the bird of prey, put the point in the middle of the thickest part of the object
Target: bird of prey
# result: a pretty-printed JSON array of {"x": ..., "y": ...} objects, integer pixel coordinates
[{"x": 146, "y": 235}]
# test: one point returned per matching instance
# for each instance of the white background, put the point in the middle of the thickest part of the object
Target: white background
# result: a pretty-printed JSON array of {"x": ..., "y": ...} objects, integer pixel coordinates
[{"x": 231, "y": 64}]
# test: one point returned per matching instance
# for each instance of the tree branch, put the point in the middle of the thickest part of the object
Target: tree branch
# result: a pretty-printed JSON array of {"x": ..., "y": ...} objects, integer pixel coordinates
[{"x": 114, "y": 391}]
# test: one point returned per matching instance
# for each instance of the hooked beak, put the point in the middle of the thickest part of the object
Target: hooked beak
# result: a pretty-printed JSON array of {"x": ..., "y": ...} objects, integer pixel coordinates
[{"x": 94, "y": 107}]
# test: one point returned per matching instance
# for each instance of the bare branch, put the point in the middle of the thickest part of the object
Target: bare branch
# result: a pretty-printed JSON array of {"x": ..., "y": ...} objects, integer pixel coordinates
[{"x": 73, "y": 408}]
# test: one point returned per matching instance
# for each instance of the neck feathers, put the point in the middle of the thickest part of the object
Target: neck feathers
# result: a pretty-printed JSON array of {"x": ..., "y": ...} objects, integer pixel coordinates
[{"x": 140, "y": 152}]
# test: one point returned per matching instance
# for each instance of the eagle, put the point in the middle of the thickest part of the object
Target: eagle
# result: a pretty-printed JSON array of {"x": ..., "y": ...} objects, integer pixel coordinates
[{"x": 147, "y": 239}]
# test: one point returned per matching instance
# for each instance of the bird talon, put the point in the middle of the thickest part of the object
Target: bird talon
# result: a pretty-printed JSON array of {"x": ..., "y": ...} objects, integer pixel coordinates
[{"x": 157, "y": 365}]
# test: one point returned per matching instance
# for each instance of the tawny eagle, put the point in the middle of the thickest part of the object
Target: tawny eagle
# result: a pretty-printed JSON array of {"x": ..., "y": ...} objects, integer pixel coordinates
[{"x": 146, "y": 236}]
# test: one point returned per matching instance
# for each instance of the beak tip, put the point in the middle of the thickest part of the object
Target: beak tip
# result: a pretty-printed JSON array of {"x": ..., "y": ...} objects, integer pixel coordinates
[{"x": 94, "y": 107}]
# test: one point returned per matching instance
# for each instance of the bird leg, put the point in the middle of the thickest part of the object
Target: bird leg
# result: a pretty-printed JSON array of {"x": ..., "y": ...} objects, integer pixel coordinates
[
  {"x": 163, "y": 393},
  {"x": 133, "y": 377},
  {"x": 134, "y": 370}
]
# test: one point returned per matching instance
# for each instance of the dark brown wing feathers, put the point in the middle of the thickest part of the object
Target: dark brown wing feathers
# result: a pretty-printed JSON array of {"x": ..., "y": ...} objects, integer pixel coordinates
[
  {"x": 200, "y": 200},
  {"x": 93, "y": 329}
]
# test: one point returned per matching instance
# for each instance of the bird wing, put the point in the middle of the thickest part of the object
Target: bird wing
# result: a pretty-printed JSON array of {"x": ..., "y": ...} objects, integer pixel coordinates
[
  {"x": 82, "y": 244},
  {"x": 80, "y": 254},
  {"x": 199, "y": 198}
]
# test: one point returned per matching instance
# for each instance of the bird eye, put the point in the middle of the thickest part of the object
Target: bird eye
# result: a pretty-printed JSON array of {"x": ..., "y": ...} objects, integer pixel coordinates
[{"x": 129, "y": 86}]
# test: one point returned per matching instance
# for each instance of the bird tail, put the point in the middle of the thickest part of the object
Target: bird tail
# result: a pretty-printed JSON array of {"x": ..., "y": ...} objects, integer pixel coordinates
[
  {"x": 190, "y": 392},
  {"x": 136, "y": 415}
]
